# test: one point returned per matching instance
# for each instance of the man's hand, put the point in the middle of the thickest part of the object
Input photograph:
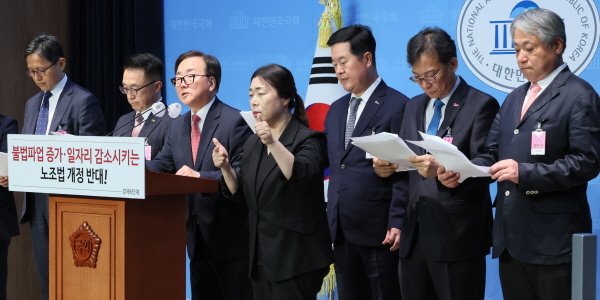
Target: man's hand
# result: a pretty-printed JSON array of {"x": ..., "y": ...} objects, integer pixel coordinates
[
  {"x": 383, "y": 168},
  {"x": 4, "y": 181},
  {"x": 187, "y": 171},
  {"x": 392, "y": 237},
  {"x": 507, "y": 169},
  {"x": 448, "y": 179},
  {"x": 426, "y": 164}
]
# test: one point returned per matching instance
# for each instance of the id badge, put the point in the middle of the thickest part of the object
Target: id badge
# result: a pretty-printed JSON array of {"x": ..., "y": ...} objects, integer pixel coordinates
[
  {"x": 369, "y": 156},
  {"x": 448, "y": 138},
  {"x": 148, "y": 152},
  {"x": 538, "y": 142}
]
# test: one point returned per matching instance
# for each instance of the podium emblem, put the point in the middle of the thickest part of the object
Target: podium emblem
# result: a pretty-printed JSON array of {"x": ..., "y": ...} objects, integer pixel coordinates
[{"x": 85, "y": 244}]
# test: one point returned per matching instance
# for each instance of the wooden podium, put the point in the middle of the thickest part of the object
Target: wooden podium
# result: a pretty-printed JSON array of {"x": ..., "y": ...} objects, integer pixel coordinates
[{"x": 116, "y": 248}]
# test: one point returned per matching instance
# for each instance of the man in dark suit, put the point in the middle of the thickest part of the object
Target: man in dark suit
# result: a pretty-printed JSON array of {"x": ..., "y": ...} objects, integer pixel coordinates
[
  {"x": 217, "y": 239},
  {"x": 364, "y": 215},
  {"x": 543, "y": 148},
  {"x": 9, "y": 223},
  {"x": 62, "y": 105},
  {"x": 446, "y": 234},
  {"x": 142, "y": 84}
]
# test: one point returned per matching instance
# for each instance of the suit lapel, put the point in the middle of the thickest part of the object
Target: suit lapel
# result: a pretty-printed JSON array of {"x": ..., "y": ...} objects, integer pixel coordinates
[
  {"x": 211, "y": 123},
  {"x": 268, "y": 166},
  {"x": 455, "y": 103},
  {"x": 150, "y": 125},
  {"x": 61, "y": 106},
  {"x": 250, "y": 170},
  {"x": 343, "y": 118},
  {"x": 421, "y": 107},
  {"x": 373, "y": 104},
  {"x": 34, "y": 114},
  {"x": 548, "y": 94}
]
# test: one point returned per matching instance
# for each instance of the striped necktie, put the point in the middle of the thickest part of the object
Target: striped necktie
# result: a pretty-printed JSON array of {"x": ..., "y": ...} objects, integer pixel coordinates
[{"x": 354, "y": 103}]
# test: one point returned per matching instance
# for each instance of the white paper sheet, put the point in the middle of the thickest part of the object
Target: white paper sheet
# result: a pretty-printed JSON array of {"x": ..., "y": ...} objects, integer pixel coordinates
[
  {"x": 249, "y": 118},
  {"x": 450, "y": 157},
  {"x": 3, "y": 164},
  {"x": 387, "y": 146}
]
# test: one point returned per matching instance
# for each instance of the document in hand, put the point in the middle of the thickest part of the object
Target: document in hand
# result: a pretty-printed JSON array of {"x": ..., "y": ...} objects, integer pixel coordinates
[
  {"x": 249, "y": 118},
  {"x": 386, "y": 146},
  {"x": 3, "y": 164},
  {"x": 450, "y": 157}
]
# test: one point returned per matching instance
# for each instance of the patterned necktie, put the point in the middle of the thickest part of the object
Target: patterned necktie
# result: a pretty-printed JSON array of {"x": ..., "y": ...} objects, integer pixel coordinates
[
  {"x": 354, "y": 103},
  {"x": 437, "y": 116},
  {"x": 195, "y": 136},
  {"x": 42, "y": 119},
  {"x": 136, "y": 129},
  {"x": 535, "y": 89}
]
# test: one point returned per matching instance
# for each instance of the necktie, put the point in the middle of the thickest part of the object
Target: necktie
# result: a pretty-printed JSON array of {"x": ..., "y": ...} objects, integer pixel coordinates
[
  {"x": 42, "y": 120},
  {"x": 195, "y": 136},
  {"x": 535, "y": 89},
  {"x": 136, "y": 128},
  {"x": 354, "y": 103},
  {"x": 437, "y": 116}
]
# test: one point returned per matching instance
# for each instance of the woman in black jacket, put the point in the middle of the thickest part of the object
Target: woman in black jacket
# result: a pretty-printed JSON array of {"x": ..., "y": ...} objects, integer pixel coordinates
[{"x": 281, "y": 180}]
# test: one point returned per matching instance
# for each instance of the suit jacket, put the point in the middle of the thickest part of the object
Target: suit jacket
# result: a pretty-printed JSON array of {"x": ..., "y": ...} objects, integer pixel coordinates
[
  {"x": 286, "y": 218},
  {"x": 453, "y": 225},
  {"x": 78, "y": 112},
  {"x": 358, "y": 199},
  {"x": 536, "y": 218},
  {"x": 154, "y": 129},
  {"x": 9, "y": 223},
  {"x": 221, "y": 222}
]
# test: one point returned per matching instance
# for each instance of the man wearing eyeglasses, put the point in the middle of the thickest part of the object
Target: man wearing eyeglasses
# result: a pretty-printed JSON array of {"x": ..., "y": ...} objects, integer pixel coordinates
[
  {"x": 142, "y": 84},
  {"x": 446, "y": 234},
  {"x": 62, "y": 105},
  {"x": 217, "y": 239}
]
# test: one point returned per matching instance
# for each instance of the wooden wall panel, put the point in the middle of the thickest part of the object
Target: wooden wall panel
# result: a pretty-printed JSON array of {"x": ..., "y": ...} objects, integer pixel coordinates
[{"x": 20, "y": 21}]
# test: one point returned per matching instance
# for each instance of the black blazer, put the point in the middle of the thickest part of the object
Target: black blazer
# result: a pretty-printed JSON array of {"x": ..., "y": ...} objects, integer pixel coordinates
[
  {"x": 535, "y": 219},
  {"x": 454, "y": 225},
  {"x": 9, "y": 223},
  {"x": 357, "y": 197},
  {"x": 154, "y": 129},
  {"x": 286, "y": 218},
  {"x": 222, "y": 223}
]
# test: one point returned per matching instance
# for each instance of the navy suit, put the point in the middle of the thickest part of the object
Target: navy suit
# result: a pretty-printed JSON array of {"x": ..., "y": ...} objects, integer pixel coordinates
[
  {"x": 154, "y": 129},
  {"x": 536, "y": 218},
  {"x": 77, "y": 112},
  {"x": 220, "y": 223},
  {"x": 450, "y": 225},
  {"x": 9, "y": 223},
  {"x": 361, "y": 206}
]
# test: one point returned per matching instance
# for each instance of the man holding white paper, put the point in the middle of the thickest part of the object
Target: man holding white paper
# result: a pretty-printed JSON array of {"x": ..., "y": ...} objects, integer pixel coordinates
[
  {"x": 445, "y": 234},
  {"x": 542, "y": 185}
]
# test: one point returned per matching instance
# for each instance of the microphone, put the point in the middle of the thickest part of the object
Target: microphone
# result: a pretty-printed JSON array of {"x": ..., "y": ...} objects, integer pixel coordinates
[
  {"x": 158, "y": 109},
  {"x": 128, "y": 122}
]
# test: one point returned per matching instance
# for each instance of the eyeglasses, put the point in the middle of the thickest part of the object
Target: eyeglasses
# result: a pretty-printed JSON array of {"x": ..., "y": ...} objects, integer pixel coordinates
[
  {"x": 187, "y": 79},
  {"x": 32, "y": 73},
  {"x": 428, "y": 79},
  {"x": 133, "y": 92}
]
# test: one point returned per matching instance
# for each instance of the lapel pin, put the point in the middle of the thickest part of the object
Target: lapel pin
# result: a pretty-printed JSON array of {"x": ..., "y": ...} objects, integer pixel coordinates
[
  {"x": 153, "y": 120},
  {"x": 376, "y": 102},
  {"x": 455, "y": 104}
]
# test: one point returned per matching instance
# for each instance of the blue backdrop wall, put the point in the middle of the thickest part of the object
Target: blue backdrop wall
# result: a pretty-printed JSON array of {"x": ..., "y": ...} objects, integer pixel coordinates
[{"x": 246, "y": 34}]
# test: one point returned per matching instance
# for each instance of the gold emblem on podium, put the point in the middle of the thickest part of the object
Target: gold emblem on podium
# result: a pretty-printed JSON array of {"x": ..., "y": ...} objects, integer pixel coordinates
[{"x": 85, "y": 244}]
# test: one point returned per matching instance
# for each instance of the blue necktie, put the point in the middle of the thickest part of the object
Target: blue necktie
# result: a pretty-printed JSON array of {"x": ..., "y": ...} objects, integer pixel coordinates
[
  {"x": 42, "y": 119},
  {"x": 354, "y": 103},
  {"x": 437, "y": 116}
]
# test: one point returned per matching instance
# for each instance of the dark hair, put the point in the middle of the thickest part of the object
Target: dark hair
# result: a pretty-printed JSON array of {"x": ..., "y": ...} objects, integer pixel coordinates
[
  {"x": 431, "y": 40},
  {"x": 213, "y": 67},
  {"x": 150, "y": 64},
  {"x": 46, "y": 46},
  {"x": 360, "y": 38},
  {"x": 282, "y": 80}
]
